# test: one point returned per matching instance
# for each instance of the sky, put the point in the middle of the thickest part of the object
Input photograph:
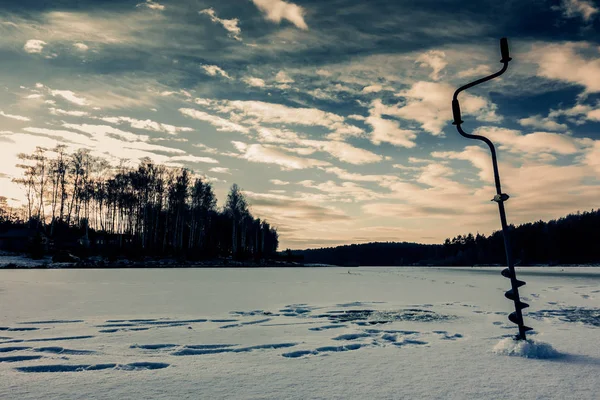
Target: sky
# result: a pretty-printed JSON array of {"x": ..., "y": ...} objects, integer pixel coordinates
[{"x": 333, "y": 116}]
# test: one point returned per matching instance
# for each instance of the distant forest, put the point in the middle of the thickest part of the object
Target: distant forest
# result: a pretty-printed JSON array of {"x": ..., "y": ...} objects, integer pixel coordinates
[
  {"x": 81, "y": 204},
  {"x": 574, "y": 239}
]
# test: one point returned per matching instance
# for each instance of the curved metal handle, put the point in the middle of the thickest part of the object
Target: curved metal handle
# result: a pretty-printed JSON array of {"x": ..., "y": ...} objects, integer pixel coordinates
[{"x": 456, "y": 105}]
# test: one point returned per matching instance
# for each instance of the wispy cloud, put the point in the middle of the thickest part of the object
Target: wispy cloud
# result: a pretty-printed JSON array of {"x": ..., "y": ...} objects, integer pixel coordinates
[
  {"x": 221, "y": 170},
  {"x": 259, "y": 153},
  {"x": 70, "y": 96},
  {"x": 152, "y": 5},
  {"x": 220, "y": 123},
  {"x": 539, "y": 122},
  {"x": 252, "y": 81},
  {"x": 230, "y": 25},
  {"x": 578, "y": 8},
  {"x": 278, "y": 10},
  {"x": 214, "y": 70},
  {"x": 147, "y": 124},
  {"x": 434, "y": 59},
  {"x": 13, "y": 116}
]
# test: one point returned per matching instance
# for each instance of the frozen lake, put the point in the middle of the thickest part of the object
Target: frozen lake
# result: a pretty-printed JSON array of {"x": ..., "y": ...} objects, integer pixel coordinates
[{"x": 338, "y": 333}]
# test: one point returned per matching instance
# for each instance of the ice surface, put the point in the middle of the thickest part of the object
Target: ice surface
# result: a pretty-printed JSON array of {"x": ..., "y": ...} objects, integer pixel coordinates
[{"x": 378, "y": 333}]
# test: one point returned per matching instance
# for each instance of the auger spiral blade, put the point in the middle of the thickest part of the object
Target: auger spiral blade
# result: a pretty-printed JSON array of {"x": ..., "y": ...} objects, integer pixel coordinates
[{"x": 506, "y": 273}]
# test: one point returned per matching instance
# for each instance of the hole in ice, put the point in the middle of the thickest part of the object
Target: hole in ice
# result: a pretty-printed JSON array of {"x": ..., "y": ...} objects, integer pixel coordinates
[{"x": 525, "y": 348}]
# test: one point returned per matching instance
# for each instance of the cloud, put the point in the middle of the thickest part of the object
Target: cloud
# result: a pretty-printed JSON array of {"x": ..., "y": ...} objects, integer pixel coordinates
[
  {"x": 481, "y": 70},
  {"x": 81, "y": 46},
  {"x": 111, "y": 143},
  {"x": 283, "y": 77},
  {"x": 578, "y": 114},
  {"x": 205, "y": 148},
  {"x": 214, "y": 70},
  {"x": 34, "y": 46},
  {"x": 220, "y": 123},
  {"x": 429, "y": 104},
  {"x": 192, "y": 159},
  {"x": 290, "y": 209},
  {"x": 269, "y": 155},
  {"x": 533, "y": 143},
  {"x": 278, "y": 10},
  {"x": 578, "y": 8},
  {"x": 108, "y": 131},
  {"x": 539, "y": 122},
  {"x": 256, "y": 82},
  {"x": 83, "y": 26},
  {"x": 383, "y": 180},
  {"x": 387, "y": 130},
  {"x": 279, "y": 182},
  {"x": 346, "y": 192},
  {"x": 147, "y": 125},
  {"x": 230, "y": 25},
  {"x": 71, "y": 113},
  {"x": 538, "y": 190},
  {"x": 258, "y": 112},
  {"x": 434, "y": 59},
  {"x": 68, "y": 136},
  {"x": 592, "y": 157},
  {"x": 70, "y": 96},
  {"x": 343, "y": 151},
  {"x": 151, "y": 5},
  {"x": 220, "y": 170},
  {"x": 564, "y": 62},
  {"x": 13, "y": 116},
  {"x": 372, "y": 89}
]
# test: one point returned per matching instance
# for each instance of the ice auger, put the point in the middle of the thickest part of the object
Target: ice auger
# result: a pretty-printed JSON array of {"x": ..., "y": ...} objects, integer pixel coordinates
[{"x": 510, "y": 273}]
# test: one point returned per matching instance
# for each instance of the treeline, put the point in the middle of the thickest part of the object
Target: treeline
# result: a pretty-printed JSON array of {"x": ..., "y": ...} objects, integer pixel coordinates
[
  {"x": 150, "y": 210},
  {"x": 372, "y": 254},
  {"x": 572, "y": 239},
  {"x": 569, "y": 240}
]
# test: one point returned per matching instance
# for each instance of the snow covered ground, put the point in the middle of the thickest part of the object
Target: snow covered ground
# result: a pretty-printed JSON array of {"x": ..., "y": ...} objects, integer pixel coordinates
[{"x": 312, "y": 333}]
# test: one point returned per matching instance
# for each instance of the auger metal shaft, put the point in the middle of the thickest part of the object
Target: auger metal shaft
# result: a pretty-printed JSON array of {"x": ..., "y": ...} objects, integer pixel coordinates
[{"x": 510, "y": 273}]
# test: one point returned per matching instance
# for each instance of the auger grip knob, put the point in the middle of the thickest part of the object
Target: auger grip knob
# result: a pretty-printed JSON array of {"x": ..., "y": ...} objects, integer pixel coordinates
[
  {"x": 504, "y": 50},
  {"x": 456, "y": 112}
]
